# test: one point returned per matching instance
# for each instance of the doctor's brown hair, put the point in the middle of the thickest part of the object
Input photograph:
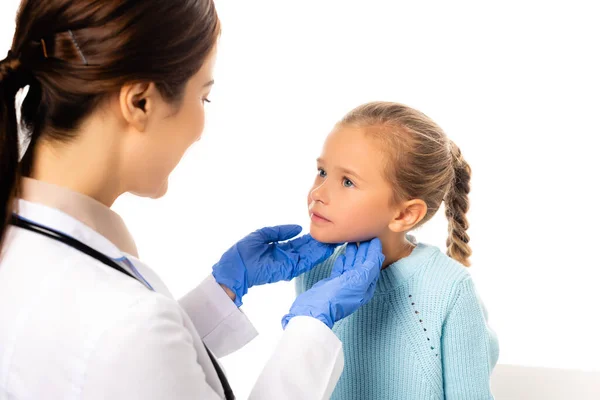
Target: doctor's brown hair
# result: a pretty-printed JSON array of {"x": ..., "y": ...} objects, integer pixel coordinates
[
  {"x": 422, "y": 163},
  {"x": 73, "y": 54}
]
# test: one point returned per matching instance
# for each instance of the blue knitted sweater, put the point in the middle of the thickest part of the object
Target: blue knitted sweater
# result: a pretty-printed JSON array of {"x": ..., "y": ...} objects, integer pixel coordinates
[{"x": 424, "y": 335}]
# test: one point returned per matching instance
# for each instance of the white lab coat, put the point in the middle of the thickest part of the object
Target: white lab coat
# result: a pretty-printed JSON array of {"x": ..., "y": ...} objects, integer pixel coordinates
[{"x": 73, "y": 328}]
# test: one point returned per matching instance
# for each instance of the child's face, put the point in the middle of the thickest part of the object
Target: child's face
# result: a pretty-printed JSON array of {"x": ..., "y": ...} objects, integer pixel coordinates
[{"x": 350, "y": 199}]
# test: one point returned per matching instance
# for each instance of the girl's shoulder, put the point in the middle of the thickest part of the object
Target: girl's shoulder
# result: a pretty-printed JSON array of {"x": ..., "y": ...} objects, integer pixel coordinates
[
  {"x": 438, "y": 273},
  {"x": 444, "y": 266}
]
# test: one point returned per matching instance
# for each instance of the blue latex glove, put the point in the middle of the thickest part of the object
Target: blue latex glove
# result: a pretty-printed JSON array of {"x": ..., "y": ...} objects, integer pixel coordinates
[
  {"x": 351, "y": 284},
  {"x": 259, "y": 258}
]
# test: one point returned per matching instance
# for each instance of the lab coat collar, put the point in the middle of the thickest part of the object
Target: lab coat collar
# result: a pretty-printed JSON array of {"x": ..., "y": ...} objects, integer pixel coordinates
[{"x": 76, "y": 215}]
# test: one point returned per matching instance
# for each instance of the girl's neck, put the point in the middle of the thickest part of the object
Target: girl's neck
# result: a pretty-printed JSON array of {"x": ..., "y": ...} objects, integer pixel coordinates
[{"x": 395, "y": 247}]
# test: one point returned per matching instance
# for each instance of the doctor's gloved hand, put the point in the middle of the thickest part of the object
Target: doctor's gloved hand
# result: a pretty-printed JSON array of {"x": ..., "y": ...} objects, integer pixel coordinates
[
  {"x": 351, "y": 284},
  {"x": 259, "y": 258}
]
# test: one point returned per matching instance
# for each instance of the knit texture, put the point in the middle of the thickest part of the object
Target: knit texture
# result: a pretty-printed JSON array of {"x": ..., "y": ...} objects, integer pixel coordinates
[{"x": 424, "y": 335}]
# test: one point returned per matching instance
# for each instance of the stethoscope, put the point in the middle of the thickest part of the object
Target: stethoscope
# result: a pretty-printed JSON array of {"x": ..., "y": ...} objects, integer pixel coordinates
[{"x": 18, "y": 221}]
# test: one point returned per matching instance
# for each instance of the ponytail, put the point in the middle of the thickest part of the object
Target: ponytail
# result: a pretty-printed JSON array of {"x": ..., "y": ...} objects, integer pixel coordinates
[
  {"x": 12, "y": 78},
  {"x": 457, "y": 205}
]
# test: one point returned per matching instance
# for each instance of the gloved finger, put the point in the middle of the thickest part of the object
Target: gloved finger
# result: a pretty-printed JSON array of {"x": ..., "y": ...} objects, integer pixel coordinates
[
  {"x": 373, "y": 269},
  {"x": 310, "y": 253},
  {"x": 299, "y": 242},
  {"x": 361, "y": 254},
  {"x": 370, "y": 292},
  {"x": 338, "y": 266},
  {"x": 278, "y": 233},
  {"x": 374, "y": 252},
  {"x": 309, "y": 248},
  {"x": 350, "y": 259},
  {"x": 375, "y": 245},
  {"x": 320, "y": 252},
  {"x": 365, "y": 274}
]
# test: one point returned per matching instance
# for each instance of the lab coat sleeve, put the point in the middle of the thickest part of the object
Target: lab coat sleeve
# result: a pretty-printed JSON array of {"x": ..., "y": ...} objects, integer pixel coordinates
[
  {"x": 223, "y": 327},
  {"x": 306, "y": 364},
  {"x": 146, "y": 353}
]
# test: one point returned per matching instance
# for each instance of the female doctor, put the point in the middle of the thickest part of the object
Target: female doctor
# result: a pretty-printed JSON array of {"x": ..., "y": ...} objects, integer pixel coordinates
[{"x": 116, "y": 93}]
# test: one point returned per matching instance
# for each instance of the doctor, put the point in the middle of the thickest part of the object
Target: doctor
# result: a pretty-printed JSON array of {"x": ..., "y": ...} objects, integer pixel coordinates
[{"x": 116, "y": 96}]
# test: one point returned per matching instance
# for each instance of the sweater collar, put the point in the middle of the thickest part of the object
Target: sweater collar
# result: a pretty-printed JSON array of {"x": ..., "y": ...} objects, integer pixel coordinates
[{"x": 400, "y": 271}]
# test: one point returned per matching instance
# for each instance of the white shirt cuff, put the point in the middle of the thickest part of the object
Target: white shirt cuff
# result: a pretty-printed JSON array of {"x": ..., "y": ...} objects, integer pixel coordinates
[
  {"x": 307, "y": 363},
  {"x": 223, "y": 327}
]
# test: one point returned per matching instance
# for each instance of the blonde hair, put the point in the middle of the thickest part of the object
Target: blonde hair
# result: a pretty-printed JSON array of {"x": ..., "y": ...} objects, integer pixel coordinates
[{"x": 422, "y": 163}]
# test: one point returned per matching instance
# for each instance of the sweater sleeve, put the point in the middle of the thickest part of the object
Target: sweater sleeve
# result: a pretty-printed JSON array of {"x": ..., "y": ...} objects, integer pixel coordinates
[{"x": 469, "y": 347}]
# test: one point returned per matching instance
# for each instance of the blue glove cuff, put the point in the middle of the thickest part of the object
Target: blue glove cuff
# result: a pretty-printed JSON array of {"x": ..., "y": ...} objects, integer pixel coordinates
[
  {"x": 239, "y": 288},
  {"x": 286, "y": 319}
]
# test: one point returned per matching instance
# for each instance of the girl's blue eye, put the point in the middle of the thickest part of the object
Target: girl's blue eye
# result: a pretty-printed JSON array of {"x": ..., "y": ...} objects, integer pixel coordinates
[
  {"x": 322, "y": 173},
  {"x": 347, "y": 183}
]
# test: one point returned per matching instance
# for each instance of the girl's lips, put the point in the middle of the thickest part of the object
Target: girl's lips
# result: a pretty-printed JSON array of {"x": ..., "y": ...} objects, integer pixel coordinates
[{"x": 316, "y": 217}]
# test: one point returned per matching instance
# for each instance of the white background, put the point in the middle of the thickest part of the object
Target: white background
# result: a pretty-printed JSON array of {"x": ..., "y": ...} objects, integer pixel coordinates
[{"x": 516, "y": 84}]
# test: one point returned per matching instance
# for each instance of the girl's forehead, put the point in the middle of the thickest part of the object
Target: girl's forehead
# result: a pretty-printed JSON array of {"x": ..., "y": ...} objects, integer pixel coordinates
[{"x": 349, "y": 148}]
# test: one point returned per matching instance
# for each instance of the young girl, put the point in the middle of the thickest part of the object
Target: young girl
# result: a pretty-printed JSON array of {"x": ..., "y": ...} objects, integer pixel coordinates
[{"x": 384, "y": 170}]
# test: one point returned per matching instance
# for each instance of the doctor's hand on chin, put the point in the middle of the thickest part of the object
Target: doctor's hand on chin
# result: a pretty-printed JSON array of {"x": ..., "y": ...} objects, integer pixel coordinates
[
  {"x": 261, "y": 258},
  {"x": 266, "y": 256}
]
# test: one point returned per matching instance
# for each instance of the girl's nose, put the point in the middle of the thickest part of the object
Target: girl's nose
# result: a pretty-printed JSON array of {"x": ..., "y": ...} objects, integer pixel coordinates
[{"x": 319, "y": 193}]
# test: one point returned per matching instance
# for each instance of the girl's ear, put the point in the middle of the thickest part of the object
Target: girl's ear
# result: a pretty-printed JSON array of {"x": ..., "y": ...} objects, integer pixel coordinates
[{"x": 408, "y": 215}]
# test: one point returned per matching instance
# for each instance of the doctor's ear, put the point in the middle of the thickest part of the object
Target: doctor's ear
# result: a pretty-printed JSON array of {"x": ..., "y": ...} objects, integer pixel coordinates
[
  {"x": 137, "y": 101},
  {"x": 408, "y": 215}
]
